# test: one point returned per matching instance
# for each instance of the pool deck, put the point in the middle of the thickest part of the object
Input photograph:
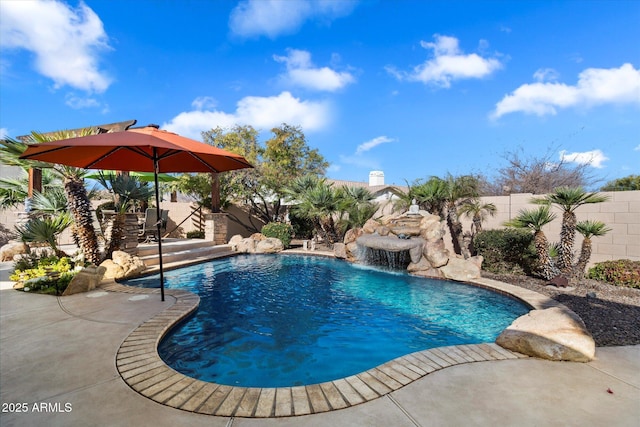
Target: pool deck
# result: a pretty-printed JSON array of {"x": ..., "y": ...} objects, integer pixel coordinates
[{"x": 88, "y": 359}]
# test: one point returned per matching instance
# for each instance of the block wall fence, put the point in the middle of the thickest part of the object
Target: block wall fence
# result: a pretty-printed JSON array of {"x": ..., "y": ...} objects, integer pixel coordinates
[{"x": 621, "y": 213}]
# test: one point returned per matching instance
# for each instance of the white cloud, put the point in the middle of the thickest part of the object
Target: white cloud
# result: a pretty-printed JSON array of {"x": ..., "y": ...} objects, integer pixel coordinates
[
  {"x": 301, "y": 72},
  {"x": 546, "y": 75},
  {"x": 595, "y": 86},
  {"x": 65, "y": 42},
  {"x": 259, "y": 112},
  {"x": 366, "y": 146},
  {"x": 4, "y": 132},
  {"x": 448, "y": 63},
  {"x": 204, "y": 102},
  {"x": 360, "y": 160},
  {"x": 637, "y": 148},
  {"x": 272, "y": 18},
  {"x": 78, "y": 102},
  {"x": 593, "y": 158}
]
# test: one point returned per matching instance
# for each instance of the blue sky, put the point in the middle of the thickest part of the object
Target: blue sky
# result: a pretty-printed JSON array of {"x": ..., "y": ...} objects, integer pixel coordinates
[{"x": 412, "y": 88}]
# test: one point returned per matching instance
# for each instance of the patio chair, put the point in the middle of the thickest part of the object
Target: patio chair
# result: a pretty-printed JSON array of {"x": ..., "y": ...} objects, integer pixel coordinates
[{"x": 149, "y": 229}]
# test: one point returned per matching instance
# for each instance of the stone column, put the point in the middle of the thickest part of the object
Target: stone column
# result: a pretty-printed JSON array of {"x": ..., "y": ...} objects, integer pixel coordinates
[{"x": 215, "y": 228}]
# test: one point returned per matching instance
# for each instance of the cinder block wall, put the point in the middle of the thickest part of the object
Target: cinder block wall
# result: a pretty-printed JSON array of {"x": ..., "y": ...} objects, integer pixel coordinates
[{"x": 621, "y": 213}]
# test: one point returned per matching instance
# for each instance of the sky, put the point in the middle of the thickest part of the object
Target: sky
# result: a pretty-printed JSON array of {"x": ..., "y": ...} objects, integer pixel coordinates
[{"x": 410, "y": 87}]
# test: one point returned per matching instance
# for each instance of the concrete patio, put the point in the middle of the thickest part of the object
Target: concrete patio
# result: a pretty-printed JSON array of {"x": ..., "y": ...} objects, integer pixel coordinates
[{"x": 58, "y": 361}]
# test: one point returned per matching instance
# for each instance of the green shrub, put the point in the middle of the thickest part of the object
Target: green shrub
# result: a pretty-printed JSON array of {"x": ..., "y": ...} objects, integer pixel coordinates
[
  {"x": 621, "y": 272},
  {"x": 302, "y": 227},
  {"x": 48, "y": 275},
  {"x": 280, "y": 231},
  {"x": 195, "y": 234},
  {"x": 506, "y": 250}
]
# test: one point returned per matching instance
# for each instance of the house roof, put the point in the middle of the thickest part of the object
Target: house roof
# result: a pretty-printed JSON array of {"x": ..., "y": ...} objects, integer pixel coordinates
[{"x": 374, "y": 189}]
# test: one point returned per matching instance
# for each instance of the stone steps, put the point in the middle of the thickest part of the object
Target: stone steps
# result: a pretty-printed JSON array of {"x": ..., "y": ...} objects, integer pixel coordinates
[{"x": 183, "y": 254}]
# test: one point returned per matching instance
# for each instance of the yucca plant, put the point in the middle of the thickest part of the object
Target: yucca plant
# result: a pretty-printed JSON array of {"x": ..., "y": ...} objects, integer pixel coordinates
[
  {"x": 535, "y": 219},
  {"x": 588, "y": 229}
]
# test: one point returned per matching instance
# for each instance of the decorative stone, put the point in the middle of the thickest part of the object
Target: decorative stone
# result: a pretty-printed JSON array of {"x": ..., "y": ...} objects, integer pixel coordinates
[
  {"x": 257, "y": 243},
  {"x": 11, "y": 249},
  {"x": 87, "y": 279},
  {"x": 554, "y": 333},
  {"x": 122, "y": 265},
  {"x": 436, "y": 253},
  {"x": 269, "y": 245},
  {"x": 460, "y": 269},
  {"x": 370, "y": 227},
  {"x": 416, "y": 253},
  {"x": 340, "y": 250},
  {"x": 352, "y": 235},
  {"x": 234, "y": 241}
]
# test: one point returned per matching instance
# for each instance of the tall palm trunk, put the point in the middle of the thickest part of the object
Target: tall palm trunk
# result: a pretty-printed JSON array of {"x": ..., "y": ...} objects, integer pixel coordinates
[
  {"x": 585, "y": 255},
  {"x": 567, "y": 238},
  {"x": 116, "y": 234},
  {"x": 544, "y": 268},
  {"x": 455, "y": 227},
  {"x": 80, "y": 209}
]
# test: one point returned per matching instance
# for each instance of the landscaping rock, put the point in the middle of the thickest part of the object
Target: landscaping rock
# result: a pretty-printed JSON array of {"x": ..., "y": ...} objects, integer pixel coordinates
[
  {"x": 340, "y": 250},
  {"x": 11, "y": 249},
  {"x": 87, "y": 279},
  {"x": 460, "y": 269},
  {"x": 122, "y": 265},
  {"x": 269, "y": 245},
  {"x": 555, "y": 333}
]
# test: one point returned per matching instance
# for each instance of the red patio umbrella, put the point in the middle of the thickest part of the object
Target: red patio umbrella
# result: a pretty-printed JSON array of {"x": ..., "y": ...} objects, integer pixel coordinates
[{"x": 142, "y": 150}]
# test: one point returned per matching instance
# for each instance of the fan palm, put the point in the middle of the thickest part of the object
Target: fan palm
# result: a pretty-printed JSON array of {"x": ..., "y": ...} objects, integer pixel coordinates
[
  {"x": 569, "y": 199},
  {"x": 588, "y": 229},
  {"x": 478, "y": 212},
  {"x": 356, "y": 206},
  {"x": 535, "y": 219},
  {"x": 46, "y": 230}
]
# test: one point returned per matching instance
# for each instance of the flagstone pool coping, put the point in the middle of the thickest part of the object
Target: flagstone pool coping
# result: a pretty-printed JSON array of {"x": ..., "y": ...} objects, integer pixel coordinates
[{"x": 142, "y": 369}]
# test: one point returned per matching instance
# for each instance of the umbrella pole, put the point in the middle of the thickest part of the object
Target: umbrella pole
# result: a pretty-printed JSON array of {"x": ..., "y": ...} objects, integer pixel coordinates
[{"x": 159, "y": 220}]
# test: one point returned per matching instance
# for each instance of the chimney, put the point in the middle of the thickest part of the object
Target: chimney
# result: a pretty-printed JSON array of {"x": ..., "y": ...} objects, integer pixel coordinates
[{"x": 376, "y": 178}]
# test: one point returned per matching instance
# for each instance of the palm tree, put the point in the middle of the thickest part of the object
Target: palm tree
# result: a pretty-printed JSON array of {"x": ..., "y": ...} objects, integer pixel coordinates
[
  {"x": 535, "y": 219},
  {"x": 588, "y": 229},
  {"x": 126, "y": 190},
  {"x": 569, "y": 199},
  {"x": 316, "y": 200},
  {"x": 45, "y": 229},
  {"x": 79, "y": 204},
  {"x": 478, "y": 212},
  {"x": 356, "y": 206}
]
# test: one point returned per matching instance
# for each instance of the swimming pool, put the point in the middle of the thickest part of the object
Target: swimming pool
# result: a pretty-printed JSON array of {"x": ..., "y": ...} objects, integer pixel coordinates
[{"x": 285, "y": 320}]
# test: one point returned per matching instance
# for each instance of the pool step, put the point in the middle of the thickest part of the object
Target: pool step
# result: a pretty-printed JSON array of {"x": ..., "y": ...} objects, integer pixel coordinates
[{"x": 185, "y": 254}]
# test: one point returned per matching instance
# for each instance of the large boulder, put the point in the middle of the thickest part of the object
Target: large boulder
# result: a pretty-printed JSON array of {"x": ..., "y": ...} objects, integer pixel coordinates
[
  {"x": 436, "y": 253},
  {"x": 554, "y": 333},
  {"x": 269, "y": 245},
  {"x": 122, "y": 265},
  {"x": 87, "y": 279},
  {"x": 11, "y": 249},
  {"x": 461, "y": 269}
]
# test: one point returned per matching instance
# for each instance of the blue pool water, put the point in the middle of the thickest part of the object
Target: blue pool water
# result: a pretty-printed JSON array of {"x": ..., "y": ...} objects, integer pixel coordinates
[{"x": 275, "y": 321}]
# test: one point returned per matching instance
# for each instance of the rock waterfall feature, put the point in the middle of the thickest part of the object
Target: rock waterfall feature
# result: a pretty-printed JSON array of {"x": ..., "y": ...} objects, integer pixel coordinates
[{"x": 412, "y": 240}]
